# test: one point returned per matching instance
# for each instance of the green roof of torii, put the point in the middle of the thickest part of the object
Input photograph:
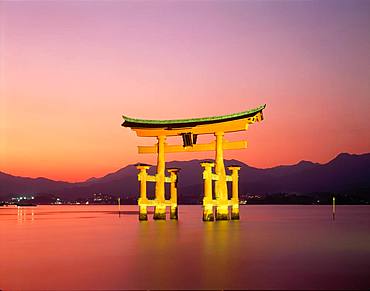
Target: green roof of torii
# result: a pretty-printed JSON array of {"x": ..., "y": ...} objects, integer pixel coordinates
[{"x": 150, "y": 123}]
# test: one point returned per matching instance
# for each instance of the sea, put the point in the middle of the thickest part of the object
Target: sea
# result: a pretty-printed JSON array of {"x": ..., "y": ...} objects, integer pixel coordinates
[{"x": 97, "y": 247}]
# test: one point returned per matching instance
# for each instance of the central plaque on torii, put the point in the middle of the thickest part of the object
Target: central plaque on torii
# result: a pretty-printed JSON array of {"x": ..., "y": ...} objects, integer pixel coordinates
[{"x": 188, "y": 130}]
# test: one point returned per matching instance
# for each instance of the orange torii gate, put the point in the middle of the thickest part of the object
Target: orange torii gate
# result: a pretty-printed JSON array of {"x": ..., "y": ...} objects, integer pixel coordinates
[{"x": 189, "y": 129}]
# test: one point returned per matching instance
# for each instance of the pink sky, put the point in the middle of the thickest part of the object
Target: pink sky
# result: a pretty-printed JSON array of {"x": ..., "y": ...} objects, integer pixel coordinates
[{"x": 69, "y": 70}]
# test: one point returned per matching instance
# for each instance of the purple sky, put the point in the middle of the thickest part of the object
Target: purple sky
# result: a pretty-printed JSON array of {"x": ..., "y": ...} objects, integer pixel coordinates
[{"x": 69, "y": 70}]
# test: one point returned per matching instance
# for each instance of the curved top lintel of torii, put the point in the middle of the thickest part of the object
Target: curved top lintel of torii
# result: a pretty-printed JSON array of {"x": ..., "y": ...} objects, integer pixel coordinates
[{"x": 207, "y": 125}]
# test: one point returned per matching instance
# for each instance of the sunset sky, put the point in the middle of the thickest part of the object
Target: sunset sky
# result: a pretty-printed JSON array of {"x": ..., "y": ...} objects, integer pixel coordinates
[{"x": 70, "y": 69}]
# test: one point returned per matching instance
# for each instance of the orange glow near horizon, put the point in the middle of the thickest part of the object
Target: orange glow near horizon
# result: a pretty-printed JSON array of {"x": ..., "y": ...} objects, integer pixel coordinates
[{"x": 69, "y": 70}]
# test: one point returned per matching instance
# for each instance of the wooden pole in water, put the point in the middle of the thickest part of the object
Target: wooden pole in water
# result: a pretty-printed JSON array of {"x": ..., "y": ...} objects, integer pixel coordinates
[
  {"x": 333, "y": 208},
  {"x": 119, "y": 206}
]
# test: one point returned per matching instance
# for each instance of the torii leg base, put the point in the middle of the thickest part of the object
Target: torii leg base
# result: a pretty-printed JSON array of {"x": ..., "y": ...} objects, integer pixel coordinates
[
  {"x": 208, "y": 213},
  {"x": 143, "y": 214},
  {"x": 160, "y": 212},
  {"x": 235, "y": 213},
  {"x": 222, "y": 212},
  {"x": 174, "y": 212}
]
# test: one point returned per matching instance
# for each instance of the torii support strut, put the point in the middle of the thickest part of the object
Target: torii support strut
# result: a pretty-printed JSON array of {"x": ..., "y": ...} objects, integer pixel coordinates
[{"x": 189, "y": 129}]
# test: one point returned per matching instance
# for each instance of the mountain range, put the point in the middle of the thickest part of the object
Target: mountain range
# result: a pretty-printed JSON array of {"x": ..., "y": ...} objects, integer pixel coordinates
[{"x": 346, "y": 173}]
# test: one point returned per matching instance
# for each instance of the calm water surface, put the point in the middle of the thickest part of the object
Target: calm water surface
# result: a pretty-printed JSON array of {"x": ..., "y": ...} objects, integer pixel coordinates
[{"x": 271, "y": 247}]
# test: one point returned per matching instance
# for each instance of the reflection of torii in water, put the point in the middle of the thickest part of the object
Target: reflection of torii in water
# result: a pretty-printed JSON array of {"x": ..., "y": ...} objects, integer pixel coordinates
[{"x": 189, "y": 129}]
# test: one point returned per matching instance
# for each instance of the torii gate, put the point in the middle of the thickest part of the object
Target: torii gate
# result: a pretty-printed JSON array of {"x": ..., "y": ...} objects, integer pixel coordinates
[{"x": 189, "y": 129}]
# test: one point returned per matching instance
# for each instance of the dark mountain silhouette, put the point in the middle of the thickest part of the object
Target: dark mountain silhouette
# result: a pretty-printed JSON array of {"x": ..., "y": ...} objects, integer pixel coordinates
[
  {"x": 346, "y": 173},
  {"x": 20, "y": 185}
]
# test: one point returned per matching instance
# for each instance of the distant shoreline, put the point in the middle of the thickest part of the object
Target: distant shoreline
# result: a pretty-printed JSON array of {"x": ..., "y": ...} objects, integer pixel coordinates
[{"x": 242, "y": 205}]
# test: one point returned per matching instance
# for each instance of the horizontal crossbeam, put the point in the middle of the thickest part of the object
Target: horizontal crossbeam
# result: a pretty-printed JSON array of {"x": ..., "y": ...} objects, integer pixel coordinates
[
  {"x": 151, "y": 178},
  {"x": 153, "y": 202},
  {"x": 233, "y": 145}
]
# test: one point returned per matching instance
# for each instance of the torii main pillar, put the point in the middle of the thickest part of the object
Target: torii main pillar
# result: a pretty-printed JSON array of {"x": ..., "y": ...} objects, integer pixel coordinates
[
  {"x": 222, "y": 210},
  {"x": 160, "y": 207},
  {"x": 189, "y": 129}
]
